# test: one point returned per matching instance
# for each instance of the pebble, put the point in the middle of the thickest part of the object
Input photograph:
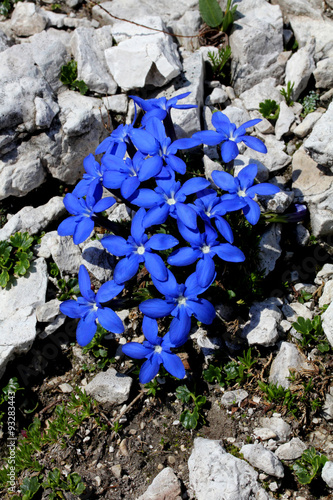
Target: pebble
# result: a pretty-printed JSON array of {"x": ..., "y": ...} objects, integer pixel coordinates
[
  {"x": 171, "y": 460},
  {"x": 66, "y": 388},
  {"x": 273, "y": 486},
  {"x": 116, "y": 470},
  {"x": 123, "y": 448}
]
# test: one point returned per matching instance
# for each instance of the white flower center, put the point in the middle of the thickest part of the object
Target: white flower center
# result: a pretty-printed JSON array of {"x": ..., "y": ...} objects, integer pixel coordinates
[
  {"x": 205, "y": 249},
  {"x": 141, "y": 250},
  {"x": 208, "y": 214},
  {"x": 241, "y": 193},
  {"x": 181, "y": 300},
  {"x": 171, "y": 201},
  {"x": 95, "y": 308},
  {"x": 158, "y": 349}
]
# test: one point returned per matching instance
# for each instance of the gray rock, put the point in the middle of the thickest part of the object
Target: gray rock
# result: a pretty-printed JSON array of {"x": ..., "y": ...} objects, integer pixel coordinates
[
  {"x": 302, "y": 235},
  {"x": 188, "y": 24},
  {"x": 110, "y": 387},
  {"x": 45, "y": 112},
  {"x": 266, "y": 89},
  {"x": 276, "y": 159},
  {"x": 5, "y": 41},
  {"x": 27, "y": 19},
  {"x": 88, "y": 46},
  {"x": 298, "y": 7},
  {"x": 269, "y": 248},
  {"x": 280, "y": 202},
  {"x": 262, "y": 328},
  {"x": 165, "y": 485},
  {"x": 116, "y": 103},
  {"x": 46, "y": 313},
  {"x": 321, "y": 29},
  {"x": 151, "y": 57},
  {"x": 327, "y": 323},
  {"x": 242, "y": 161},
  {"x": 65, "y": 253},
  {"x": 321, "y": 214},
  {"x": 279, "y": 426},
  {"x": 300, "y": 67},
  {"x": 232, "y": 398},
  {"x": 98, "y": 261},
  {"x": 218, "y": 96},
  {"x": 120, "y": 212},
  {"x": 263, "y": 127},
  {"x": 307, "y": 124},
  {"x": 318, "y": 143},
  {"x": 327, "y": 295},
  {"x": 237, "y": 114},
  {"x": 288, "y": 358},
  {"x": 264, "y": 433},
  {"x": 294, "y": 310},
  {"x": 216, "y": 475},
  {"x": 327, "y": 474},
  {"x": 323, "y": 73},
  {"x": 324, "y": 274},
  {"x": 18, "y": 312},
  {"x": 285, "y": 120},
  {"x": 308, "y": 180},
  {"x": 54, "y": 19},
  {"x": 263, "y": 459},
  {"x": 256, "y": 41},
  {"x": 291, "y": 450},
  {"x": 32, "y": 219}
]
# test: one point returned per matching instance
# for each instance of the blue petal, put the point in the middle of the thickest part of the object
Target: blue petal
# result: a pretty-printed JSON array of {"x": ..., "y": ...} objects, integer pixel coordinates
[
  {"x": 186, "y": 143},
  {"x": 150, "y": 167},
  {"x": 83, "y": 230},
  {"x": 155, "y": 127},
  {"x": 70, "y": 308},
  {"x": 146, "y": 198},
  {"x": 193, "y": 237},
  {"x": 180, "y": 328},
  {"x": 209, "y": 137},
  {"x": 108, "y": 291},
  {"x": 242, "y": 129},
  {"x": 203, "y": 310},
  {"x": 184, "y": 256},
  {"x": 186, "y": 215},
  {"x": 234, "y": 203},
  {"x": 144, "y": 142},
  {"x": 155, "y": 266},
  {"x": 126, "y": 268},
  {"x": 156, "y": 215},
  {"x": 177, "y": 164},
  {"x": 247, "y": 175},
  {"x": 194, "y": 185},
  {"x": 224, "y": 228},
  {"x": 110, "y": 320},
  {"x": 156, "y": 308},
  {"x": 229, "y": 151},
  {"x": 220, "y": 121},
  {"x": 173, "y": 364},
  {"x": 149, "y": 369},
  {"x": 137, "y": 229},
  {"x": 167, "y": 287},
  {"x": 129, "y": 186},
  {"x": 68, "y": 226},
  {"x": 263, "y": 189},
  {"x": 113, "y": 179},
  {"x": 85, "y": 285},
  {"x": 192, "y": 287},
  {"x": 150, "y": 329},
  {"x": 72, "y": 204},
  {"x": 229, "y": 253},
  {"x": 224, "y": 181},
  {"x": 162, "y": 242},
  {"x": 205, "y": 271},
  {"x": 135, "y": 350},
  {"x": 104, "y": 204},
  {"x": 86, "y": 330},
  {"x": 116, "y": 245},
  {"x": 254, "y": 143},
  {"x": 251, "y": 211}
]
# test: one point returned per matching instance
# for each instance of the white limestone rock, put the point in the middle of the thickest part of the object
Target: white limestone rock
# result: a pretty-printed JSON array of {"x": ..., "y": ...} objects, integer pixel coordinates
[
  {"x": 242, "y": 161},
  {"x": 300, "y": 7},
  {"x": 309, "y": 182},
  {"x": 275, "y": 159},
  {"x": 151, "y": 58},
  {"x": 327, "y": 323},
  {"x": 232, "y": 398},
  {"x": 318, "y": 143},
  {"x": 327, "y": 474},
  {"x": 300, "y": 67},
  {"x": 98, "y": 261},
  {"x": 217, "y": 475},
  {"x": 32, "y": 219},
  {"x": 65, "y": 253},
  {"x": 307, "y": 124},
  {"x": 256, "y": 41},
  {"x": 263, "y": 459},
  {"x": 28, "y": 19},
  {"x": 280, "y": 202},
  {"x": 291, "y": 450},
  {"x": 88, "y": 46},
  {"x": 262, "y": 328},
  {"x": 165, "y": 485},
  {"x": 54, "y": 19},
  {"x": 265, "y": 89},
  {"x": 320, "y": 28},
  {"x": 110, "y": 387},
  {"x": 46, "y": 313},
  {"x": 264, "y": 433},
  {"x": 18, "y": 312},
  {"x": 189, "y": 24},
  {"x": 116, "y": 103},
  {"x": 294, "y": 310},
  {"x": 269, "y": 248},
  {"x": 324, "y": 73},
  {"x": 218, "y": 96},
  {"x": 327, "y": 294},
  {"x": 285, "y": 120},
  {"x": 279, "y": 426},
  {"x": 288, "y": 358}
]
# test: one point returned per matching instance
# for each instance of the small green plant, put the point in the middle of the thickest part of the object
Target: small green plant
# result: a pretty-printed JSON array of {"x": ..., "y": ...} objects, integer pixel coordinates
[
  {"x": 213, "y": 15},
  {"x": 68, "y": 76},
  {"x": 55, "y": 6},
  {"x": 12, "y": 386},
  {"x": 54, "y": 481},
  {"x": 287, "y": 93},
  {"x": 6, "y": 7},
  {"x": 99, "y": 351},
  {"x": 152, "y": 387},
  {"x": 189, "y": 419},
  {"x": 232, "y": 372},
  {"x": 218, "y": 61},
  {"x": 304, "y": 296},
  {"x": 312, "y": 333},
  {"x": 309, "y": 104},
  {"x": 15, "y": 257},
  {"x": 309, "y": 465},
  {"x": 29, "y": 488},
  {"x": 68, "y": 288},
  {"x": 278, "y": 394},
  {"x": 269, "y": 109}
]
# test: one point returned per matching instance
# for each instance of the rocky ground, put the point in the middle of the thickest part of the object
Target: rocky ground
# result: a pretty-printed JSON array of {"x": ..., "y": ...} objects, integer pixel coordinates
[{"x": 266, "y": 383}]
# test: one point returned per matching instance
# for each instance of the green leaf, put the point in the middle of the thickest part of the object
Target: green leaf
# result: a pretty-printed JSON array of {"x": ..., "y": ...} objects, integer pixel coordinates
[
  {"x": 303, "y": 325},
  {"x": 5, "y": 250},
  {"x": 183, "y": 393},
  {"x": 269, "y": 109},
  {"x": 302, "y": 473},
  {"x": 81, "y": 86},
  {"x": 211, "y": 12},
  {"x": 231, "y": 370},
  {"x": 200, "y": 401},
  {"x": 68, "y": 73},
  {"x": 323, "y": 347},
  {"x": 189, "y": 420},
  {"x": 22, "y": 265},
  {"x": 212, "y": 374},
  {"x": 29, "y": 487},
  {"x": 4, "y": 278}
]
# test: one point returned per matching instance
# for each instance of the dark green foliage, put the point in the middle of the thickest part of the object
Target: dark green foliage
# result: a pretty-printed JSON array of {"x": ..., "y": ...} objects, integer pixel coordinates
[
  {"x": 54, "y": 481},
  {"x": 68, "y": 288},
  {"x": 309, "y": 465},
  {"x": 287, "y": 93},
  {"x": 99, "y": 350},
  {"x": 309, "y": 103},
  {"x": 218, "y": 61},
  {"x": 68, "y": 77},
  {"x": 278, "y": 394},
  {"x": 312, "y": 333},
  {"x": 15, "y": 257},
  {"x": 232, "y": 372},
  {"x": 269, "y": 109},
  {"x": 213, "y": 15},
  {"x": 6, "y": 7},
  {"x": 188, "y": 419}
]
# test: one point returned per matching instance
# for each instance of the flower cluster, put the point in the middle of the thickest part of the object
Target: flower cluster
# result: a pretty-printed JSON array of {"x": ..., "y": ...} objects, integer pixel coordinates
[{"x": 132, "y": 156}]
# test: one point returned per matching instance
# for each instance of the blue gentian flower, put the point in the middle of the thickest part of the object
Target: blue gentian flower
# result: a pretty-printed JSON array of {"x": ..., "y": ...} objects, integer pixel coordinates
[
  {"x": 157, "y": 350},
  {"x": 204, "y": 246},
  {"x": 81, "y": 223},
  {"x": 92, "y": 178},
  {"x": 242, "y": 191},
  {"x": 181, "y": 301},
  {"x": 210, "y": 207},
  {"x": 168, "y": 198},
  {"x": 161, "y": 106},
  {"x": 90, "y": 309},
  {"x": 138, "y": 248},
  {"x": 229, "y": 135},
  {"x": 127, "y": 174}
]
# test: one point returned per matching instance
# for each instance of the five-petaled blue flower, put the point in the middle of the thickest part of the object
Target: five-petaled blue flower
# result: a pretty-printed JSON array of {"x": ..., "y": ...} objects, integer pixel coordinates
[
  {"x": 204, "y": 246},
  {"x": 90, "y": 309},
  {"x": 242, "y": 191},
  {"x": 229, "y": 135},
  {"x": 92, "y": 178},
  {"x": 161, "y": 106},
  {"x": 157, "y": 350},
  {"x": 81, "y": 223},
  {"x": 138, "y": 248},
  {"x": 181, "y": 301}
]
